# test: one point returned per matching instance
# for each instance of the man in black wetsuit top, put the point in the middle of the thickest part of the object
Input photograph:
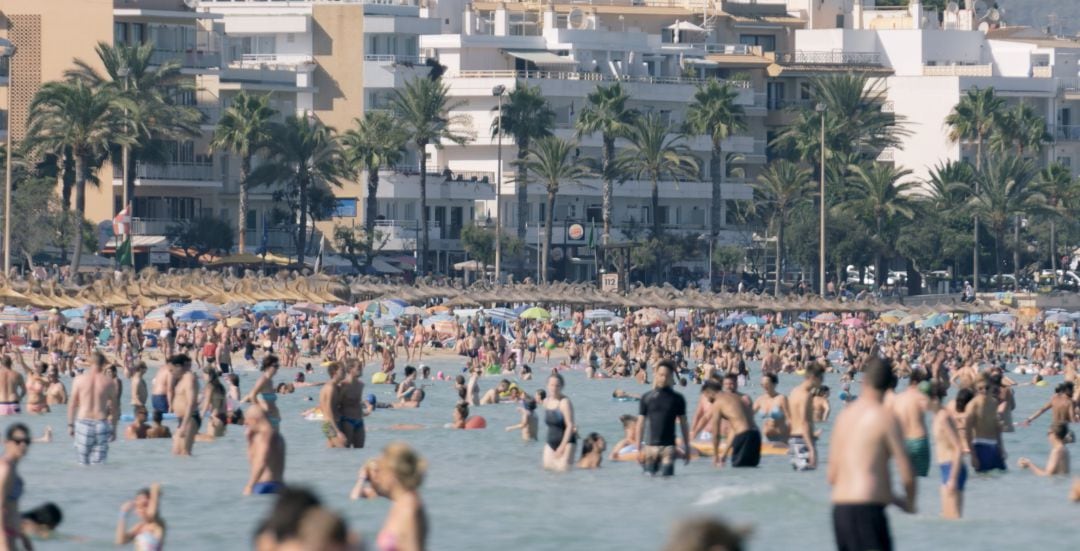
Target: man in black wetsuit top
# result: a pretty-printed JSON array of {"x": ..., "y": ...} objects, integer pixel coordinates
[{"x": 658, "y": 411}]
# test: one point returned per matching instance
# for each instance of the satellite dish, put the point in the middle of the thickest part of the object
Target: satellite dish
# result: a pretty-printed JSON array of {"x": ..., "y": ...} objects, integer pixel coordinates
[
  {"x": 994, "y": 15},
  {"x": 191, "y": 3},
  {"x": 984, "y": 27},
  {"x": 576, "y": 19},
  {"x": 952, "y": 8}
]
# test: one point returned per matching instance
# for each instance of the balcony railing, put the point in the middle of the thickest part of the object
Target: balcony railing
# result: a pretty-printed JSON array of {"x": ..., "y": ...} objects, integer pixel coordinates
[
  {"x": 832, "y": 57},
  {"x": 196, "y": 172},
  {"x": 392, "y": 58},
  {"x": 272, "y": 61},
  {"x": 1042, "y": 71},
  {"x": 194, "y": 59},
  {"x": 958, "y": 70},
  {"x": 594, "y": 77},
  {"x": 1069, "y": 133}
]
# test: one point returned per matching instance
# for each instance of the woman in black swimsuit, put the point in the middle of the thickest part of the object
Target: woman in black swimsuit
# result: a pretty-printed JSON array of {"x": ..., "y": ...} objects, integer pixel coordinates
[{"x": 559, "y": 418}]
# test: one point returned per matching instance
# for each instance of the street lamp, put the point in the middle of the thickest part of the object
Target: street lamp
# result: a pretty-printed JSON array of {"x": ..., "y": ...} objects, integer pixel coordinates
[
  {"x": 708, "y": 258},
  {"x": 821, "y": 108},
  {"x": 7, "y": 50},
  {"x": 498, "y": 92},
  {"x": 124, "y": 72}
]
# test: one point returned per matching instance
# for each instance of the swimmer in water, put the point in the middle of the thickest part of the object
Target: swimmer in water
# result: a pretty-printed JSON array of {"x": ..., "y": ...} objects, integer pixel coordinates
[
  {"x": 528, "y": 424},
  {"x": 148, "y": 532},
  {"x": 1058, "y": 462},
  {"x": 461, "y": 415},
  {"x": 592, "y": 451},
  {"x": 624, "y": 396},
  {"x": 629, "y": 443}
]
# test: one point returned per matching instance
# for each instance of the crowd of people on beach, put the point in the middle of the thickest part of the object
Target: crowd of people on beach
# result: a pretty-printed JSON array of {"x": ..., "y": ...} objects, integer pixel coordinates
[{"x": 937, "y": 399}]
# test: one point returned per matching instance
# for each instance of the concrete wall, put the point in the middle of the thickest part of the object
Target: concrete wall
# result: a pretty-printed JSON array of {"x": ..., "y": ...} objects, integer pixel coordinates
[{"x": 924, "y": 103}]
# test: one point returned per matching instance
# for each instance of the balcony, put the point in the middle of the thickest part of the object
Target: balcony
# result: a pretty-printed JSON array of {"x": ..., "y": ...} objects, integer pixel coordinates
[
  {"x": 277, "y": 62},
  {"x": 401, "y": 235},
  {"x": 958, "y": 70},
  {"x": 831, "y": 57},
  {"x": 396, "y": 59},
  {"x": 403, "y": 182},
  {"x": 187, "y": 175},
  {"x": 1069, "y": 133},
  {"x": 592, "y": 77},
  {"x": 1044, "y": 71},
  {"x": 189, "y": 59}
]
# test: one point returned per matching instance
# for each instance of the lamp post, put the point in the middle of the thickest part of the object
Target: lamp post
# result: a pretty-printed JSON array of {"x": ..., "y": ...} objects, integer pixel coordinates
[
  {"x": 7, "y": 50},
  {"x": 123, "y": 73},
  {"x": 820, "y": 108},
  {"x": 709, "y": 258},
  {"x": 498, "y": 92}
]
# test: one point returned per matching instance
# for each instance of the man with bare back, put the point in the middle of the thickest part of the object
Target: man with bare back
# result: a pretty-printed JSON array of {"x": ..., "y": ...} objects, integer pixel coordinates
[{"x": 93, "y": 412}]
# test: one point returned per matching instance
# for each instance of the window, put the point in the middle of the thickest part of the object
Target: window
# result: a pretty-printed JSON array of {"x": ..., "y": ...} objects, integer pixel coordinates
[
  {"x": 252, "y": 218},
  {"x": 541, "y": 213},
  {"x": 345, "y": 208},
  {"x": 119, "y": 33},
  {"x": 138, "y": 33},
  {"x": 595, "y": 213},
  {"x": 805, "y": 92},
  {"x": 766, "y": 41},
  {"x": 410, "y": 212}
]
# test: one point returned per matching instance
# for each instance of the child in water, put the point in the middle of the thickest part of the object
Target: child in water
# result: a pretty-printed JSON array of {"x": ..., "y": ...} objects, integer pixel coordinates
[{"x": 528, "y": 422}]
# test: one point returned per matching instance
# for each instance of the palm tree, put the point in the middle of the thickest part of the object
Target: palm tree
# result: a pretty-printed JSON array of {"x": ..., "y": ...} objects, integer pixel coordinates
[
  {"x": 1062, "y": 193},
  {"x": 655, "y": 153},
  {"x": 377, "y": 141},
  {"x": 305, "y": 158},
  {"x": 1021, "y": 129},
  {"x": 245, "y": 129},
  {"x": 876, "y": 196},
  {"x": 606, "y": 112},
  {"x": 552, "y": 161},
  {"x": 1006, "y": 189},
  {"x": 714, "y": 113},
  {"x": 778, "y": 191},
  {"x": 949, "y": 185},
  {"x": 423, "y": 106},
  {"x": 526, "y": 116},
  {"x": 152, "y": 92},
  {"x": 74, "y": 117},
  {"x": 974, "y": 118}
]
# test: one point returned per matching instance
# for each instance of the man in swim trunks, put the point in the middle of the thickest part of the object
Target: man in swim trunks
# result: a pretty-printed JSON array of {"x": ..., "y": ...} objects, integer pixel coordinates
[
  {"x": 982, "y": 429},
  {"x": 948, "y": 449},
  {"x": 356, "y": 330},
  {"x": 351, "y": 421},
  {"x": 801, "y": 445},
  {"x": 909, "y": 408},
  {"x": 35, "y": 333},
  {"x": 12, "y": 388},
  {"x": 658, "y": 411},
  {"x": 330, "y": 407},
  {"x": 266, "y": 454},
  {"x": 186, "y": 406},
  {"x": 742, "y": 437},
  {"x": 93, "y": 412},
  {"x": 162, "y": 387},
  {"x": 865, "y": 437}
]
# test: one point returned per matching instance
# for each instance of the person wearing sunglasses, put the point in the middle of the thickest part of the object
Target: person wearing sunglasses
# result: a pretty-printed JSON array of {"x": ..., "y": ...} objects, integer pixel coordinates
[{"x": 17, "y": 443}]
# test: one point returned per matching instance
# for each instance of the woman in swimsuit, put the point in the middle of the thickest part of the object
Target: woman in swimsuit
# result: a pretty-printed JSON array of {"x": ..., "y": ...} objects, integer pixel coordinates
[
  {"x": 262, "y": 392},
  {"x": 213, "y": 403},
  {"x": 397, "y": 475},
  {"x": 773, "y": 407},
  {"x": 559, "y": 418},
  {"x": 148, "y": 532},
  {"x": 16, "y": 445}
]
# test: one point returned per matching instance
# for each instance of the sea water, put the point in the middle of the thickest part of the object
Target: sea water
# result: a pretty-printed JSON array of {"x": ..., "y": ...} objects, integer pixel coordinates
[{"x": 485, "y": 489}]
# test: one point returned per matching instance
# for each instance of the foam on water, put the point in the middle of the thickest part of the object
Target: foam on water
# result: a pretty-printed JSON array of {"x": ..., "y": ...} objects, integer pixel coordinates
[{"x": 485, "y": 489}]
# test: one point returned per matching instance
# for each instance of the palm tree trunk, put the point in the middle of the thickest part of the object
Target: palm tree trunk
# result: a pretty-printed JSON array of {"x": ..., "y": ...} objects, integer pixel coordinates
[
  {"x": 241, "y": 216},
  {"x": 1053, "y": 250},
  {"x": 716, "y": 174},
  {"x": 522, "y": 178},
  {"x": 301, "y": 236},
  {"x": 421, "y": 264},
  {"x": 779, "y": 254},
  {"x": 371, "y": 209},
  {"x": 998, "y": 238},
  {"x": 975, "y": 252},
  {"x": 880, "y": 275},
  {"x": 550, "y": 215},
  {"x": 654, "y": 199},
  {"x": 129, "y": 182},
  {"x": 1016, "y": 247},
  {"x": 608, "y": 157},
  {"x": 81, "y": 168}
]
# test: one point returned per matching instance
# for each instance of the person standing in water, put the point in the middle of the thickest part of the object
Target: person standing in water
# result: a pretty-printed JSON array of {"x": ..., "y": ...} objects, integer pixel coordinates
[
  {"x": 559, "y": 417},
  {"x": 734, "y": 416},
  {"x": 658, "y": 411},
  {"x": 262, "y": 392},
  {"x": 982, "y": 429},
  {"x": 266, "y": 454},
  {"x": 909, "y": 408},
  {"x": 186, "y": 406},
  {"x": 12, "y": 388},
  {"x": 351, "y": 420},
  {"x": 865, "y": 437},
  {"x": 16, "y": 445},
  {"x": 93, "y": 412},
  {"x": 397, "y": 476},
  {"x": 138, "y": 385},
  {"x": 801, "y": 444},
  {"x": 148, "y": 532},
  {"x": 329, "y": 406},
  {"x": 949, "y": 450},
  {"x": 162, "y": 387}
]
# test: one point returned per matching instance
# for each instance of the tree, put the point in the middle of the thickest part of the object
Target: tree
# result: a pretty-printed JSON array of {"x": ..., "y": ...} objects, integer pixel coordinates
[
  {"x": 877, "y": 197},
  {"x": 781, "y": 188},
  {"x": 1006, "y": 189},
  {"x": 552, "y": 161},
  {"x": 655, "y": 153},
  {"x": 479, "y": 242},
  {"x": 73, "y": 117},
  {"x": 305, "y": 159},
  {"x": 34, "y": 204},
  {"x": 200, "y": 236},
  {"x": 355, "y": 244},
  {"x": 424, "y": 107},
  {"x": 714, "y": 113},
  {"x": 1021, "y": 129},
  {"x": 1062, "y": 194},
  {"x": 377, "y": 141},
  {"x": 245, "y": 129},
  {"x": 526, "y": 116},
  {"x": 943, "y": 231},
  {"x": 151, "y": 92},
  {"x": 606, "y": 112}
]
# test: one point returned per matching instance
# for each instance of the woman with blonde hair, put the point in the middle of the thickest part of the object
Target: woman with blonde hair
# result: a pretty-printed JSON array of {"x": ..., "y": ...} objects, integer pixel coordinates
[{"x": 397, "y": 475}]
